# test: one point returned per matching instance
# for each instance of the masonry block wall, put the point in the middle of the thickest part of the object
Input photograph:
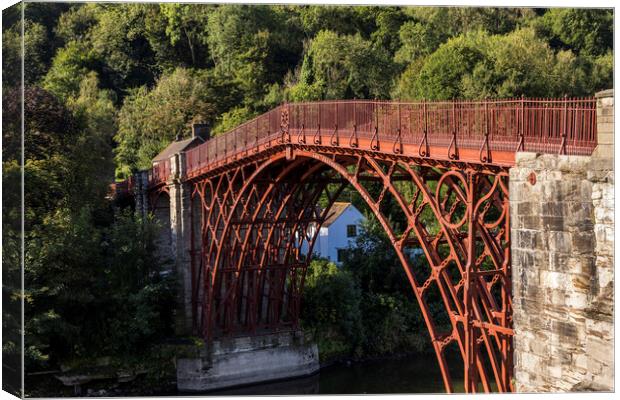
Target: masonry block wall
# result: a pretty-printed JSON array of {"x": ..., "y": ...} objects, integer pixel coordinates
[
  {"x": 171, "y": 210},
  {"x": 180, "y": 194},
  {"x": 562, "y": 227}
]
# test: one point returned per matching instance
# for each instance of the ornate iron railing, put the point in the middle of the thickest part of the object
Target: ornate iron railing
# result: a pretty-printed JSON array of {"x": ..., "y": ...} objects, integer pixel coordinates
[
  {"x": 543, "y": 125},
  {"x": 565, "y": 126},
  {"x": 159, "y": 173}
]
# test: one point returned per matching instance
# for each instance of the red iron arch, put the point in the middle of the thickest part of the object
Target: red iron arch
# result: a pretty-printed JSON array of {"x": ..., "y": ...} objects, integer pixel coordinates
[{"x": 252, "y": 266}]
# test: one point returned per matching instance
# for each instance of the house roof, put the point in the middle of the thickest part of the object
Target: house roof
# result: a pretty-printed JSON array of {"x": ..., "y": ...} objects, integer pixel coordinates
[
  {"x": 337, "y": 209},
  {"x": 177, "y": 147}
]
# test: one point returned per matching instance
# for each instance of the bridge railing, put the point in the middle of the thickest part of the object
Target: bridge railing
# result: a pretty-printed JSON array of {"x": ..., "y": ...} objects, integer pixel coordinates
[
  {"x": 123, "y": 188},
  {"x": 159, "y": 173},
  {"x": 538, "y": 124},
  {"x": 244, "y": 138},
  {"x": 566, "y": 126}
]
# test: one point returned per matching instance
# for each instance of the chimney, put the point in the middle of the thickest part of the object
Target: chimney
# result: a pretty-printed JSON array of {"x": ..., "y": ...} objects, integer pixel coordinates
[{"x": 201, "y": 130}]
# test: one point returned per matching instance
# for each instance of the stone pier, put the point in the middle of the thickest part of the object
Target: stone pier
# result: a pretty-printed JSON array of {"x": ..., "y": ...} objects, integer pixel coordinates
[
  {"x": 170, "y": 209},
  {"x": 180, "y": 203},
  {"x": 225, "y": 362},
  {"x": 562, "y": 229}
]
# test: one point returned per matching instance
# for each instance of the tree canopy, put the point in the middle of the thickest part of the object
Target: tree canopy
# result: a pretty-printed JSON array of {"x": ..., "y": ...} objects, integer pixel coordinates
[{"x": 164, "y": 64}]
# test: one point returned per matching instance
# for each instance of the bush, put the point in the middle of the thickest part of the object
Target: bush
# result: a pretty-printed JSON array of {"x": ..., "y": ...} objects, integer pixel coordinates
[
  {"x": 331, "y": 308},
  {"x": 366, "y": 308},
  {"x": 93, "y": 291},
  {"x": 392, "y": 323}
]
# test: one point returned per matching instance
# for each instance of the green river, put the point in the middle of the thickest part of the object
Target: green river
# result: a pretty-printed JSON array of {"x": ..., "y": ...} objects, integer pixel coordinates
[{"x": 419, "y": 374}]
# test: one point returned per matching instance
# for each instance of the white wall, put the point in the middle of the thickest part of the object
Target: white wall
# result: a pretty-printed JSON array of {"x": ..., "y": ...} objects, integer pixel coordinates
[{"x": 334, "y": 237}]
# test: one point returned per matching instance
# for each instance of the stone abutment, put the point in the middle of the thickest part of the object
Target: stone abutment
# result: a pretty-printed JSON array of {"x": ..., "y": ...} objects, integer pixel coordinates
[{"x": 562, "y": 235}]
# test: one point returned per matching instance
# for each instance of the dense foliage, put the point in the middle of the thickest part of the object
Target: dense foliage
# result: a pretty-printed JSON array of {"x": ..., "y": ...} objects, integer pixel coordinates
[
  {"x": 110, "y": 85},
  {"x": 93, "y": 284},
  {"x": 164, "y": 66},
  {"x": 93, "y": 287}
]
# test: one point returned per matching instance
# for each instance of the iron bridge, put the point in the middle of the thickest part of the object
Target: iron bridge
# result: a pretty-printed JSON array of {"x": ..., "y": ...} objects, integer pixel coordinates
[{"x": 255, "y": 194}]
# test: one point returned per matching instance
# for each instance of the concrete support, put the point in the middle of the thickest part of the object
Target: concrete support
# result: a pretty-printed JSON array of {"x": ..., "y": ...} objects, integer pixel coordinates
[
  {"x": 232, "y": 362},
  {"x": 562, "y": 227}
]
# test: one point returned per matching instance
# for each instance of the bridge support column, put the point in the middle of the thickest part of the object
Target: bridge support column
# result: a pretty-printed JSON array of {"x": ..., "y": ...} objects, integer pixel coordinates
[
  {"x": 562, "y": 228},
  {"x": 141, "y": 193},
  {"x": 180, "y": 204}
]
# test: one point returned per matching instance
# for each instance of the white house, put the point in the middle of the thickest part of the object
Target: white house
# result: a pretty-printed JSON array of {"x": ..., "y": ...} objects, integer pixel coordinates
[{"x": 338, "y": 232}]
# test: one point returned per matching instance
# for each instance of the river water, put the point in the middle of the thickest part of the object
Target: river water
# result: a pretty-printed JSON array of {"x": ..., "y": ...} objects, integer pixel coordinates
[{"x": 416, "y": 374}]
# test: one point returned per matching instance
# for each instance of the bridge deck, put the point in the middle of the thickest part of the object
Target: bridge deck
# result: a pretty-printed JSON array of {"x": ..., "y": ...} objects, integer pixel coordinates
[{"x": 479, "y": 132}]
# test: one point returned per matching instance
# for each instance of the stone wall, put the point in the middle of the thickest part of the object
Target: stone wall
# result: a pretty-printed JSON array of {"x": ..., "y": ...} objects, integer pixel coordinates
[
  {"x": 562, "y": 227},
  {"x": 172, "y": 211},
  {"x": 180, "y": 203},
  {"x": 163, "y": 240}
]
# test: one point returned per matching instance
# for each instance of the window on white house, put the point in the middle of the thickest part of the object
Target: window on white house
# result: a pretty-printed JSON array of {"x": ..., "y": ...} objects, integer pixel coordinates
[
  {"x": 351, "y": 230},
  {"x": 342, "y": 253}
]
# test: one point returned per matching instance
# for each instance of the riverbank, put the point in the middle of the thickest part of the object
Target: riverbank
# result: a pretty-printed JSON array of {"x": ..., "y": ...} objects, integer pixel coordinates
[{"x": 395, "y": 373}]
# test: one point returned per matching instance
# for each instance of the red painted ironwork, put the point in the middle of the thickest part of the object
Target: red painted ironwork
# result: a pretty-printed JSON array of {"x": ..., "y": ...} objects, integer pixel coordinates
[
  {"x": 255, "y": 214},
  {"x": 159, "y": 173},
  {"x": 123, "y": 188},
  {"x": 441, "y": 130}
]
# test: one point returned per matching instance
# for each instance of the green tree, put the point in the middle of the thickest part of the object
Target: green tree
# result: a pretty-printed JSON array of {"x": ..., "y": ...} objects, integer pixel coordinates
[
  {"x": 254, "y": 45},
  {"x": 514, "y": 64},
  {"x": 440, "y": 75},
  {"x": 428, "y": 27},
  {"x": 150, "y": 119},
  {"x": 233, "y": 118},
  {"x": 418, "y": 40},
  {"x": 11, "y": 216},
  {"x": 69, "y": 65},
  {"x": 338, "y": 67},
  {"x": 521, "y": 63},
  {"x": 481, "y": 65},
  {"x": 373, "y": 261},
  {"x": 65, "y": 161},
  {"x": 602, "y": 74},
  {"x": 584, "y": 31},
  {"x": 46, "y": 14},
  {"x": 331, "y": 309},
  {"x": 453, "y": 21},
  {"x": 11, "y": 57},
  {"x": 82, "y": 301},
  {"x": 36, "y": 46},
  {"x": 95, "y": 113},
  {"x": 77, "y": 23},
  {"x": 389, "y": 21},
  {"x": 185, "y": 24},
  {"x": 36, "y": 51},
  {"x": 344, "y": 20},
  {"x": 118, "y": 40}
]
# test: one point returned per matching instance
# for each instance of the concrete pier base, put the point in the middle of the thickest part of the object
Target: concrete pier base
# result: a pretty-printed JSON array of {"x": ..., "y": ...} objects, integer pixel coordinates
[{"x": 246, "y": 360}]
